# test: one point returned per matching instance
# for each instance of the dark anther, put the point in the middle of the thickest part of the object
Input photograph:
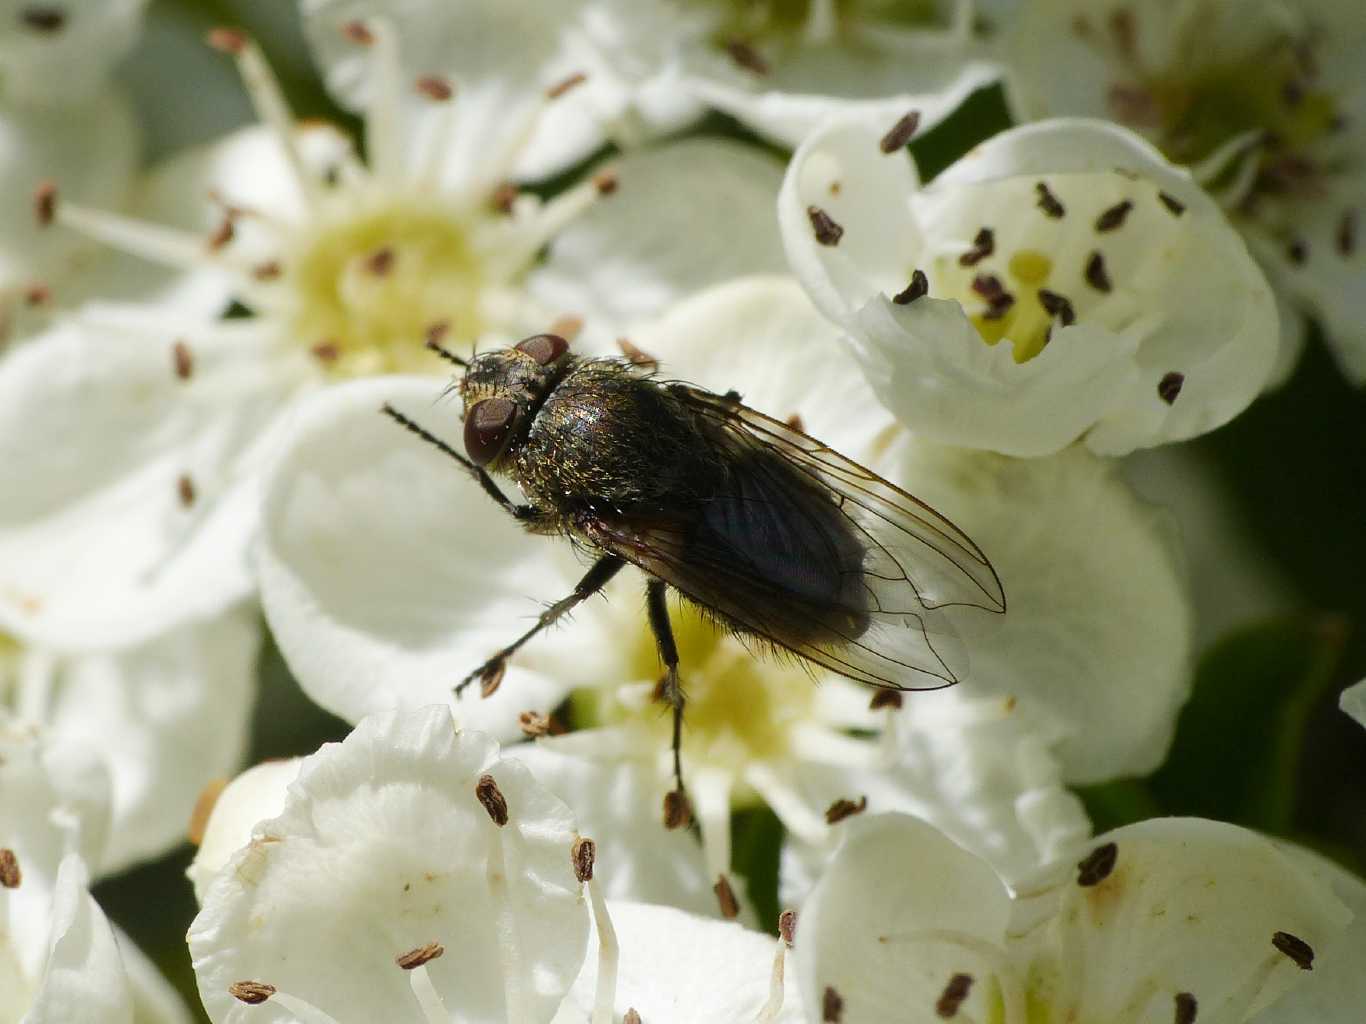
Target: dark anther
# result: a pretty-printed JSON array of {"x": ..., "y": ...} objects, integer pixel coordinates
[
  {"x": 435, "y": 87},
  {"x": 43, "y": 19},
  {"x": 1048, "y": 202},
  {"x": 787, "y": 927},
  {"x": 832, "y": 1006},
  {"x": 491, "y": 678},
  {"x": 999, "y": 306},
  {"x": 227, "y": 40},
  {"x": 251, "y": 992},
  {"x": 534, "y": 724},
  {"x": 606, "y": 182},
  {"x": 45, "y": 202},
  {"x": 503, "y": 197},
  {"x": 900, "y": 133},
  {"x": 827, "y": 231},
  {"x": 581, "y": 855},
  {"x": 890, "y": 699},
  {"x": 632, "y": 1017},
  {"x": 983, "y": 245},
  {"x": 222, "y": 235},
  {"x": 677, "y": 809},
  {"x": 918, "y": 288},
  {"x": 1297, "y": 252},
  {"x": 1098, "y": 864},
  {"x": 1176, "y": 206},
  {"x": 795, "y": 422},
  {"x": 185, "y": 489},
  {"x": 10, "y": 875},
  {"x": 415, "y": 958},
  {"x": 1170, "y": 386},
  {"x": 636, "y": 356},
  {"x": 1295, "y": 948},
  {"x": 358, "y": 32},
  {"x": 326, "y": 351},
  {"x": 1347, "y": 232},
  {"x": 491, "y": 797},
  {"x": 725, "y": 898},
  {"x": 841, "y": 809},
  {"x": 182, "y": 360},
  {"x": 747, "y": 57},
  {"x": 381, "y": 261},
  {"x": 1058, "y": 305},
  {"x": 1114, "y": 216},
  {"x": 1123, "y": 29},
  {"x": 988, "y": 286},
  {"x": 565, "y": 84},
  {"x": 1096, "y": 275},
  {"x": 1185, "y": 1008},
  {"x": 953, "y": 995},
  {"x": 267, "y": 271}
]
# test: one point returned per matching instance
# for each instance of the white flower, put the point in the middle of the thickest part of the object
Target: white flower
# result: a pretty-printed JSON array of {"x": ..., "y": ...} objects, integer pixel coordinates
[
  {"x": 1061, "y": 281},
  {"x": 163, "y": 719},
  {"x": 414, "y": 837},
  {"x": 144, "y": 518},
  {"x": 391, "y": 831},
  {"x": 226, "y": 814},
  {"x": 1169, "y": 919},
  {"x": 57, "y": 53},
  {"x": 1263, "y": 98},
  {"x": 60, "y": 959},
  {"x": 1094, "y": 647}
]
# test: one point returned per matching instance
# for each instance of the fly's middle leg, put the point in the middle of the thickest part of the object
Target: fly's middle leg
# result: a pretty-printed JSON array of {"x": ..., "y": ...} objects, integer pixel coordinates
[{"x": 675, "y": 805}]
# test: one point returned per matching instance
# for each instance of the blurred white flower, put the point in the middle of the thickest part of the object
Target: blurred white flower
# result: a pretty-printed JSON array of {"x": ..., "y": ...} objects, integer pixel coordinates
[
  {"x": 162, "y": 719},
  {"x": 1169, "y": 919},
  {"x": 136, "y": 514},
  {"x": 1266, "y": 102},
  {"x": 1060, "y": 281},
  {"x": 1353, "y": 702},
  {"x": 226, "y": 814},
  {"x": 387, "y": 575},
  {"x": 60, "y": 959}
]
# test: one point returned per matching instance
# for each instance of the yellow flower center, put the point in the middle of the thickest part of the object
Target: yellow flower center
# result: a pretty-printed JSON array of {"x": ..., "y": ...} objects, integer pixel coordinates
[
  {"x": 742, "y": 706},
  {"x": 376, "y": 271}
]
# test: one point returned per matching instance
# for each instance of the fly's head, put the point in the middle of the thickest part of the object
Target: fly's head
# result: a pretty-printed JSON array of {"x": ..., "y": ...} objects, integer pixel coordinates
[{"x": 502, "y": 391}]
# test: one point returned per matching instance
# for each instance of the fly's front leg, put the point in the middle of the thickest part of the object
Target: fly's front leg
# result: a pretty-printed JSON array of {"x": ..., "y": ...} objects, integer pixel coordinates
[
  {"x": 490, "y": 674},
  {"x": 528, "y": 514},
  {"x": 676, "y": 810}
]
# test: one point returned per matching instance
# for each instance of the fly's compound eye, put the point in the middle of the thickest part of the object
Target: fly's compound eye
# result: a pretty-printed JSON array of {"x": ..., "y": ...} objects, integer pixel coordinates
[
  {"x": 488, "y": 425},
  {"x": 544, "y": 348}
]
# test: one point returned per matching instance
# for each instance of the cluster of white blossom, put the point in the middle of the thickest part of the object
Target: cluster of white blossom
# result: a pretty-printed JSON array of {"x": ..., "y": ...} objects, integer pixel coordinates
[{"x": 193, "y": 356}]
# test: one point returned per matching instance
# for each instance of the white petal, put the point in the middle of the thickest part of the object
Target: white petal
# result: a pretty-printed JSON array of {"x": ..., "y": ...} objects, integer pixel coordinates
[
  {"x": 617, "y": 804},
  {"x": 684, "y": 216},
  {"x": 1337, "y": 991},
  {"x": 1232, "y": 582},
  {"x": 83, "y": 977},
  {"x": 809, "y": 85},
  {"x": 682, "y": 969},
  {"x": 1097, "y": 633},
  {"x": 1353, "y": 701},
  {"x": 761, "y": 336},
  {"x": 386, "y": 831},
  {"x": 140, "y": 487},
  {"x": 70, "y": 61},
  {"x": 872, "y": 932},
  {"x": 255, "y": 795},
  {"x": 841, "y": 170},
  {"x": 155, "y": 1000},
  {"x": 1189, "y": 906},
  {"x": 387, "y": 574},
  {"x": 166, "y": 718}
]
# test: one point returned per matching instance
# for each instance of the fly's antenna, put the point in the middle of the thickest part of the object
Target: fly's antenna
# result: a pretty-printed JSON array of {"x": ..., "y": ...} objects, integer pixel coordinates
[
  {"x": 426, "y": 435},
  {"x": 446, "y": 353}
]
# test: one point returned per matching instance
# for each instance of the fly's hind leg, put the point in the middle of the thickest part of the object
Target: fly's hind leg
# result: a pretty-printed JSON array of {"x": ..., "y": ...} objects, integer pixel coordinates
[
  {"x": 490, "y": 674},
  {"x": 676, "y": 811}
]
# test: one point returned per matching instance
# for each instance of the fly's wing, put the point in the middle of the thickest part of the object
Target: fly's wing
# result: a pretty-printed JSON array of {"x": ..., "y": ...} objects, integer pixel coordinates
[{"x": 813, "y": 552}]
